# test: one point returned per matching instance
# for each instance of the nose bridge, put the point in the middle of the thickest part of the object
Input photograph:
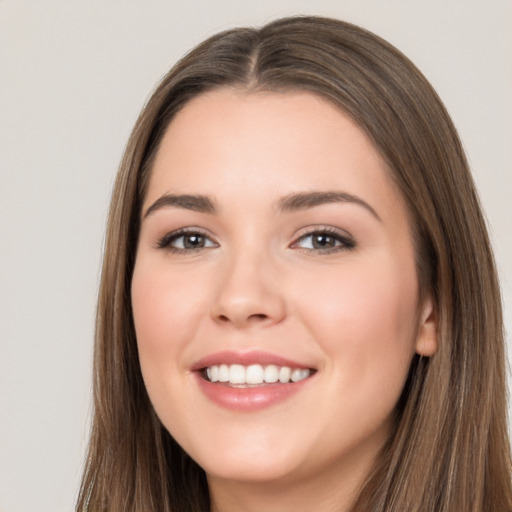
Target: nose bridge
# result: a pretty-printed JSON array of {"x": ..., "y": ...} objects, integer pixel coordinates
[{"x": 248, "y": 288}]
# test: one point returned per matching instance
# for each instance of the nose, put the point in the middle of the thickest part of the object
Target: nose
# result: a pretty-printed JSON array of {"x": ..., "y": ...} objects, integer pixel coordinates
[{"x": 249, "y": 293}]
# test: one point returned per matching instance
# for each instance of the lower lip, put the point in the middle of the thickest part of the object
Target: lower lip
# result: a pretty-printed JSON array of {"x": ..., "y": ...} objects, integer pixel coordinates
[{"x": 249, "y": 399}]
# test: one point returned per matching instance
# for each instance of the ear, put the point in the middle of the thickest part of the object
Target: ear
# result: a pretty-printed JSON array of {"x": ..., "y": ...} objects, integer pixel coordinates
[{"x": 426, "y": 341}]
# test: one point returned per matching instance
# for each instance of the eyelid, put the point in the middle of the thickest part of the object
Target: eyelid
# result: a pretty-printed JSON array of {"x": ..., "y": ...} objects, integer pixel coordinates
[
  {"x": 165, "y": 241},
  {"x": 346, "y": 240}
]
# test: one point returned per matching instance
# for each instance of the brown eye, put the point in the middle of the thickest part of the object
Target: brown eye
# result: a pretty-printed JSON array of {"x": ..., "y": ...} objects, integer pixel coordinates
[
  {"x": 324, "y": 241},
  {"x": 193, "y": 241},
  {"x": 181, "y": 241}
]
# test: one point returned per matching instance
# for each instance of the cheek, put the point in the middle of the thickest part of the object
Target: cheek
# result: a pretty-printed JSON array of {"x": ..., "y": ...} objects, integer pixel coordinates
[
  {"x": 364, "y": 318},
  {"x": 166, "y": 308}
]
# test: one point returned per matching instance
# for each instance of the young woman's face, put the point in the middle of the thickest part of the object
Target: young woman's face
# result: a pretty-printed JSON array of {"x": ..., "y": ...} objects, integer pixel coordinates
[{"x": 275, "y": 253}]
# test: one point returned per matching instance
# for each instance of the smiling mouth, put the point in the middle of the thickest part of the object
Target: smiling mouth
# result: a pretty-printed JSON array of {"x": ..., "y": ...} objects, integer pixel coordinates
[{"x": 254, "y": 375}]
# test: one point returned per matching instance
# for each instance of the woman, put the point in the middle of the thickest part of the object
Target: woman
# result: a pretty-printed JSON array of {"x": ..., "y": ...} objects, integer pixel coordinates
[{"x": 299, "y": 308}]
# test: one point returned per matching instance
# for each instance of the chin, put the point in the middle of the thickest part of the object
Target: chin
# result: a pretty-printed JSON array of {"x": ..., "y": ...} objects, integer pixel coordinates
[
  {"x": 264, "y": 470},
  {"x": 253, "y": 458}
]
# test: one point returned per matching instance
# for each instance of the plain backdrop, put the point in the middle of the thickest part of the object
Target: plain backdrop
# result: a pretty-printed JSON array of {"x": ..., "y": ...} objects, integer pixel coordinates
[{"x": 73, "y": 77}]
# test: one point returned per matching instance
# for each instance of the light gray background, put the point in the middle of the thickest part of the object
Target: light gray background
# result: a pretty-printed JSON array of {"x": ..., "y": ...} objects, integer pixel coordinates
[{"x": 73, "y": 77}]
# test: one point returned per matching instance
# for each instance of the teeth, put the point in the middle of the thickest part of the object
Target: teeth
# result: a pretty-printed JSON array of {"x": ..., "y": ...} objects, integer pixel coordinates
[
  {"x": 271, "y": 373},
  {"x": 254, "y": 374},
  {"x": 213, "y": 373},
  {"x": 299, "y": 375},
  {"x": 285, "y": 374},
  {"x": 238, "y": 374},
  {"x": 223, "y": 373}
]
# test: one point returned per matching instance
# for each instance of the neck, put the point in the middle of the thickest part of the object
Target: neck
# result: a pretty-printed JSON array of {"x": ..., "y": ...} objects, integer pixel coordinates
[{"x": 330, "y": 491}]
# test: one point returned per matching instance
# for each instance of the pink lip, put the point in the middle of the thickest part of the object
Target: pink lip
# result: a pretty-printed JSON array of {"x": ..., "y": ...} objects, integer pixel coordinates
[
  {"x": 252, "y": 398},
  {"x": 248, "y": 399},
  {"x": 245, "y": 358}
]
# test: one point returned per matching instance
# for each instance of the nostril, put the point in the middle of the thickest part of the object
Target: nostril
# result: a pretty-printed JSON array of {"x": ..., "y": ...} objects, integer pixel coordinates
[
  {"x": 258, "y": 316},
  {"x": 254, "y": 317}
]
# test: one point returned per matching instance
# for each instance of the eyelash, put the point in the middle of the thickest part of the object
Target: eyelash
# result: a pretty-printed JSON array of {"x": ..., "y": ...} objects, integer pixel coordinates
[
  {"x": 344, "y": 241},
  {"x": 166, "y": 241}
]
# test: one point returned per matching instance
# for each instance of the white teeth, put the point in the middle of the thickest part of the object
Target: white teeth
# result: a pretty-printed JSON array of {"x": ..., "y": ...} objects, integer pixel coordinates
[
  {"x": 271, "y": 374},
  {"x": 253, "y": 374},
  {"x": 299, "y": 375},
  {"x": 223, "y": 373},
  {"x": 285, "y": 374},
  {"x": 237, "y": 374},
  {"x": 213, "y": 373}
]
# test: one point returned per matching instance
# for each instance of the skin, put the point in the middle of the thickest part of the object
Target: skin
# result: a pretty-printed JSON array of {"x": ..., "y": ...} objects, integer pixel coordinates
[{"x": 351, "y": 312}]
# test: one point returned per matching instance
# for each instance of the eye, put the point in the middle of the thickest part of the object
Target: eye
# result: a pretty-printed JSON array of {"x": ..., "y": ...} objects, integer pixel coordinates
[
  {"x": 324, "y": 240},
  {"x": 186, "y": 240}
]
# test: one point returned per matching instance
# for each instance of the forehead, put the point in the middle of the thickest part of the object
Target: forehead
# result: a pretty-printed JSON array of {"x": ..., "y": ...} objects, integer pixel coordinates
[{"x": 228, "y": 143}]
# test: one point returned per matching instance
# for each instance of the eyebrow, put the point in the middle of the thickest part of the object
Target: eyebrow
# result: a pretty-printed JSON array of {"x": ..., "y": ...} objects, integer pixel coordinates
[
  {"x": 289, "y": 203},
  {"x": 196, "y": 203},
  {"x": 305, "y": 200}
]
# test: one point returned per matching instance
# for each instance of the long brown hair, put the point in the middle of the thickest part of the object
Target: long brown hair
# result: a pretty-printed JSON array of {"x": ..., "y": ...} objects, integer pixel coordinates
[{"x": 449, "y": 451}]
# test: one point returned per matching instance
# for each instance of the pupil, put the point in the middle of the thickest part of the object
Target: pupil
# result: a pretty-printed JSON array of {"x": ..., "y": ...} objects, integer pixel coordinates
[
  {"x": 323, "y": 241},
  {"x": 193, "y": 241}
]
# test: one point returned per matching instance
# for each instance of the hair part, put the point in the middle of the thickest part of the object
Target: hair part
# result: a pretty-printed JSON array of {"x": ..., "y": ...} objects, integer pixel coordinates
[{"x": 449, "y": 451}]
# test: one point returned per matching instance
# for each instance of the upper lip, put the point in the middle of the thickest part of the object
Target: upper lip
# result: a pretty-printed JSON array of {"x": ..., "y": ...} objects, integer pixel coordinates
[{"x": 246, "y": 358}]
